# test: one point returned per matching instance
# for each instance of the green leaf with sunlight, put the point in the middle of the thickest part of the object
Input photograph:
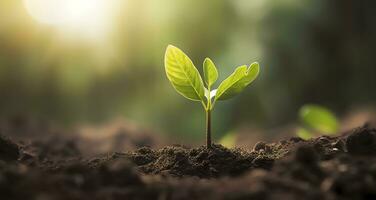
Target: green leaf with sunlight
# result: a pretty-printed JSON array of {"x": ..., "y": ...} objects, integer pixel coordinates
[
  {"x": 187, "y": 81},
  {"x": 183, "y": 75},
  {"x": 210, "y": 73},
  {"x": 237, "y": 81},
  {"x": 319, "y": 118}
]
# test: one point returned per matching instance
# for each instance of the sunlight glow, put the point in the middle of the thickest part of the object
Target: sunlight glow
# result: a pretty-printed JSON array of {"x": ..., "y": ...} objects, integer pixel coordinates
[{"x": 87, "y": 17}]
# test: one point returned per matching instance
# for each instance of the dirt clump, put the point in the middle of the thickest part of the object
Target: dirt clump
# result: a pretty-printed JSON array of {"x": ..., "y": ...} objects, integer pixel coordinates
[
  {"x": 9, "y": 151},
  {"x": 180, "y": 161}
]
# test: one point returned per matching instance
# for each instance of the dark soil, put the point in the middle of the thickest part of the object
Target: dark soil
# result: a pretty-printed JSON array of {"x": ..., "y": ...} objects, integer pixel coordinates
[
  {"x": 341, "y": 167},
  {"x": 179, "y": 161}
]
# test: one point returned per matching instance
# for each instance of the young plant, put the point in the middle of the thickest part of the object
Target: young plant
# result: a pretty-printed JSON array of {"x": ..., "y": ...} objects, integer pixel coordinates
[
  {"x": 187, "y": 81},
  {"x": 316, "y": 119}
]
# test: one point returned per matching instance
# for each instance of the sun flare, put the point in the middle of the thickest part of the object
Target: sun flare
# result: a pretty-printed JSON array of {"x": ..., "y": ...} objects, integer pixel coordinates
[{"x": 87, "y": 17}]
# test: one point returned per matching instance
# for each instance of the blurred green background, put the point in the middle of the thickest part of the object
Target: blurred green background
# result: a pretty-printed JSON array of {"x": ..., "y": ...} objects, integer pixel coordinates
[{"x": 90, "y": 61}]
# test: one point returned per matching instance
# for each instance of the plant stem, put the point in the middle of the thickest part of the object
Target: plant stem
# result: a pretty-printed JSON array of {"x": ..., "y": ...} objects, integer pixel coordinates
[
  {"x": 208, "y": 129},
  {"x": 208, "y": 109}
]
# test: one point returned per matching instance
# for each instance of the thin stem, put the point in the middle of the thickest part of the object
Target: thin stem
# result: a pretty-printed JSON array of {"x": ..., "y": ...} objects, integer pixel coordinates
[
  {"x": 208, "y": 122},
  {"x": 203, "y": 104},
  {"x": 208, "y": 128},
  {"x": 208, "y": 108}
]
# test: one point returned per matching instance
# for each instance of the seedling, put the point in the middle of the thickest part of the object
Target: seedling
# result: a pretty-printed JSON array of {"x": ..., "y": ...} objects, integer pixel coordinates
[
  {"x": 316, "y": 119},
  {"x": 229, "y": 140},
  {"x": 187, "y": 81}
]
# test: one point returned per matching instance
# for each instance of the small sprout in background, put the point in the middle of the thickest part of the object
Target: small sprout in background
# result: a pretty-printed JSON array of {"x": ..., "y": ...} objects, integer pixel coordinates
[
  {"x": 187, "y": 81},
  {"x": 229, "y": 140},
  {"x": 316, "y": 119},
  {"x": 304, "y": 133},
  {"x": 319, "y": 118}
]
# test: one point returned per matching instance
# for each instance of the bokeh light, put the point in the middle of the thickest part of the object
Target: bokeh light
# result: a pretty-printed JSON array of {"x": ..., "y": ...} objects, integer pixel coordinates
[{"x": 90, "y": 18}]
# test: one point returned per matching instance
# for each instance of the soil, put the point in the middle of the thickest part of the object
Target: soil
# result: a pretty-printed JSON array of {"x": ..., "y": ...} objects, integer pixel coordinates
[{"x": 331, "y": 168}]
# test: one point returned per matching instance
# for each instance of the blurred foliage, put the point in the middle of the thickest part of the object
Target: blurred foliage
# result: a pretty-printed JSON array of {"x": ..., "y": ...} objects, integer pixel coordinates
[
  {"x": 316, "y": 119},
  {"x": 311, "y": 51},
  {"x": 229, "y": 140},
  {"x": 304, "y": 133}
]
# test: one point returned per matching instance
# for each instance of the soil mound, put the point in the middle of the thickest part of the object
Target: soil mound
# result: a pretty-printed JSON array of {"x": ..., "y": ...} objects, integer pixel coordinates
[{"x": 328, "y": 168}]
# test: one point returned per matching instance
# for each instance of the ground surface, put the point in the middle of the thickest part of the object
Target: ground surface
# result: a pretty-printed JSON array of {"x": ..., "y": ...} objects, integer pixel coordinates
[{"x": 322, "y": 168}]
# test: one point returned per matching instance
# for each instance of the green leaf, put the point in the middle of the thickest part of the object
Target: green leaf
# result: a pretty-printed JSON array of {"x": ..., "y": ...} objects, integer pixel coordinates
[
  {"x": 319, "y": 118},
  {"x": 304, "y": 133},
  {"x": 210, "y": 72},
  {"x": 183, "y": 75},
  {"x": 229, "y": 140},
  {"x": 237, "y": 81}
]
